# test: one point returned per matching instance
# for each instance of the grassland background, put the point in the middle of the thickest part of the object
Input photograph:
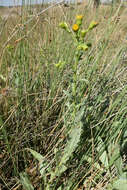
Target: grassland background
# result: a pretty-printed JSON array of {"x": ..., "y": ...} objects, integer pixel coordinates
[{"x": 35, "y": 98}]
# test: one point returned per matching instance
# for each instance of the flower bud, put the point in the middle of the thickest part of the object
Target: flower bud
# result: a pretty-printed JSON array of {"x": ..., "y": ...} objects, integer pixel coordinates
[
  {"x": 60, "y": 64},
  {"x": 83, "y": 33},
  {"x": 64, "y": 26},
  {"x": 83, "y": 47},
  {"x": 92, "y": 25}
]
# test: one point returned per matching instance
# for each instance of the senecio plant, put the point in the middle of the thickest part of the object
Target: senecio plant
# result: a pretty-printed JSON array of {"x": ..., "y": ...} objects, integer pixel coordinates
[
  {"x": 78, "y": 35},
  {"x": 73, "y": 118}
]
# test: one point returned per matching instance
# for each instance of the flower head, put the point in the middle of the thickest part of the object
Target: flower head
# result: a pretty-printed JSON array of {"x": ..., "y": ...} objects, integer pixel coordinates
[
  {"x": 79, "y": 17},
  {"x": 75, "y": 27}
]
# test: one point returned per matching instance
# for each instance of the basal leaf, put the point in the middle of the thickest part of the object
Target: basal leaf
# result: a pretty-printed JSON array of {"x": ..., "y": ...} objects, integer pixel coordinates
[
  {"x": 120, "y": 184},
  {"x": 101, "y": 149},
  {"x": 74, "y": 139},
  {"x": 26, "y": 182}
]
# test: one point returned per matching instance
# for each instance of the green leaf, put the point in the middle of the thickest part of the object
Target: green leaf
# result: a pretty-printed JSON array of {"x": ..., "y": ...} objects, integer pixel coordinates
[
  {"x": 115, "y": 158},
  {"x": 89, "y": 160},
  {"x": 25, "y": 181},
  {"x": 17, "y": 80},
  {"x": 42, "y": 163},
  {"x": 60, "y": 188},
  {"x": 3, "y": 78},
  {"x": 74, "y": 139},
  {"x": 121, "y": 183},
  {"x": 67, "y": 94},
  {"x": 36, "y": 155},
  {"x": 85, "y": 80},
  {"x": 72, "y": 142},
  {"x": 1, "y": 121},
  {"x": 101, "y": 149},
  {"x": 80, "y": 114},
  {"x": 124, "y": 141}
]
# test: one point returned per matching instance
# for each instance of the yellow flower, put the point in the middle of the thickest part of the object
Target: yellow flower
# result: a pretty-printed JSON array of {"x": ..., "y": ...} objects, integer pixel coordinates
[
  {"x": 75, "y": 27},
  {"x": 79, "y": 20},
  {"x": 79, "y": 17}
]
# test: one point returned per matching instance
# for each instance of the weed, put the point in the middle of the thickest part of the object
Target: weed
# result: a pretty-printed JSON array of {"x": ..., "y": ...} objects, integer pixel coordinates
[{"x": 63, "y": 98}]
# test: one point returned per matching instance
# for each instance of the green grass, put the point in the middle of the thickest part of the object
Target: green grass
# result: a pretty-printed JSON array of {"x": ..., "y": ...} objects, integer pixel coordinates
[{"x": 82, "y": 150}]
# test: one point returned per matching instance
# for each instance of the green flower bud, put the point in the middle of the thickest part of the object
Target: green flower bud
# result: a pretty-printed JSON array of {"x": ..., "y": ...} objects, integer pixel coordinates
[
  {"x": 92, "y": 25},
  {"x": 79, "y": 22},
  {"x": 79, "y": 19},
  {"x": 60, "y": 64},
  {"x": 83, "y": 33},
  {"x": 64, "y": 26},
  {"x": 83, "y": 47}
]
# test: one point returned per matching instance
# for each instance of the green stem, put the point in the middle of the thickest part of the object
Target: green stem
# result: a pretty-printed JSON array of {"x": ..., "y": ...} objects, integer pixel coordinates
[{"x": 74, "y": 87}]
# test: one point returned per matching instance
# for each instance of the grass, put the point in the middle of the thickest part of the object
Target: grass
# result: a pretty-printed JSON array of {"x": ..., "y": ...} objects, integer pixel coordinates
[{"x": 44, "y": 143}]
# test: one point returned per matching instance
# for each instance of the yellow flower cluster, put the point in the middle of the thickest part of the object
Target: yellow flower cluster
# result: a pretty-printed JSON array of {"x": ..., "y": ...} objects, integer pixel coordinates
[{"x": 76, "y": 26}]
